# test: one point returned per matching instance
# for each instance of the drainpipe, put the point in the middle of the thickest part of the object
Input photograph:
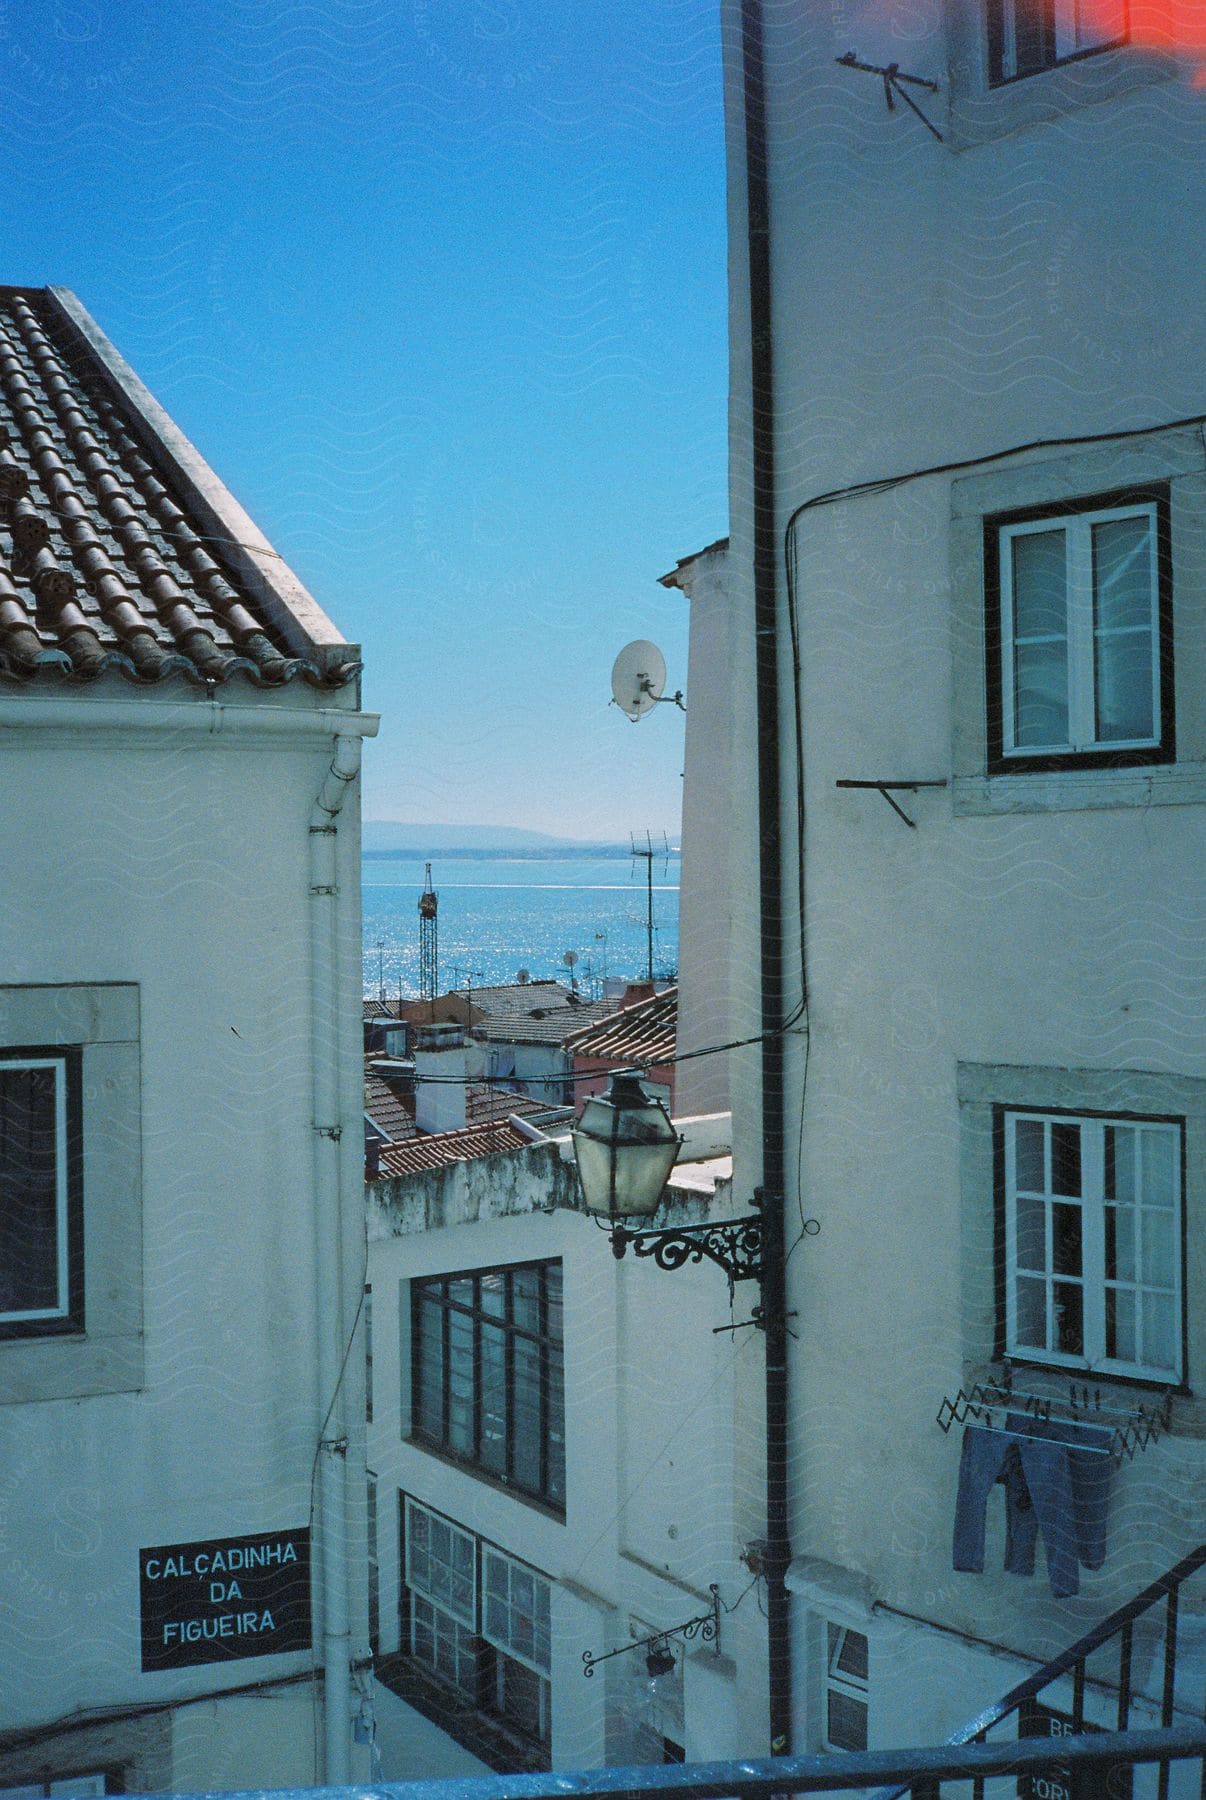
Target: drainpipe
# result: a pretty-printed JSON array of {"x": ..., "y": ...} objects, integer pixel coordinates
[
  {"x": 770, "y": 874},
  {"x": 331, "y": 1203}
]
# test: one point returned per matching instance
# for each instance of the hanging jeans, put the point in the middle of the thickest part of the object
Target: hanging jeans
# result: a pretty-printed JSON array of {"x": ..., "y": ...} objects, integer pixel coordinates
[{"x": 1049, "y": 1487}]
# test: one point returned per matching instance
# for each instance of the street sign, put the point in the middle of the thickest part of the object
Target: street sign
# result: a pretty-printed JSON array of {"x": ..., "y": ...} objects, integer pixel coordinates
[{"x": 224, "y": 1599}]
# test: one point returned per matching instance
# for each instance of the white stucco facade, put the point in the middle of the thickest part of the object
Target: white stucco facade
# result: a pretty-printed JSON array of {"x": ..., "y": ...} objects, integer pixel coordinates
[
  {"x": 706, "y": 878},
  {"x": 662, "y": 1492},
  {"x": 1035, "y": 941},
  {"x": 158, "y": 912}
]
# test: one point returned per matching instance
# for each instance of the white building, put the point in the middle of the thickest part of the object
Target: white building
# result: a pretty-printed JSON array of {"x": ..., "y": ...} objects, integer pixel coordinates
[
  {"x": 181, "y": 1238},
  {"x": 564, "y": 1458},
  {"x": 707, "y": 893},
  {"x": 969, "y": 501}
]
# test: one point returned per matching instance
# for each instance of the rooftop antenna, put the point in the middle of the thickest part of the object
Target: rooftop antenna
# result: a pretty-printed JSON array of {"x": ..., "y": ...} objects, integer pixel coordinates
[
  {"x": 638, "y": 677},
  {"x": 381, "y": 969},
  {"x": 646, "y": 856},
  {"x": 429, "y": 942},
  {"x": 569, "y": 959}
]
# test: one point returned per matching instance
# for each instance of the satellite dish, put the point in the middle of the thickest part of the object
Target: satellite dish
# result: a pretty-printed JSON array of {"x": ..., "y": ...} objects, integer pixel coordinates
[{"x": 638, "y": 676}]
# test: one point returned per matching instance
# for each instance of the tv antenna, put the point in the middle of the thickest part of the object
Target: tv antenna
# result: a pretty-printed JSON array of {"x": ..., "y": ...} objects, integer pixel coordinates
[
  {"x": 646, "y": 856},
  {"x": 569, "y": 959},
  {"x": 638, "y": 677}
]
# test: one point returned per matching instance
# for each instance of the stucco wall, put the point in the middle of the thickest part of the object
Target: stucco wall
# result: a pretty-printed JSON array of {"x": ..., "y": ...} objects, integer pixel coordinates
[
  {"x": 1028, "y": 279},
  {"x": 661, "y": 1441},
  {"x": 179, "y": 864}
]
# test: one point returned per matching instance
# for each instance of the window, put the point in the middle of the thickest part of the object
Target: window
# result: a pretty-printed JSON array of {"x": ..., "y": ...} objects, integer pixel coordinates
[
  {"x": 844, "y": 1689},
  {"x": 1027, "y": 36},
  {"x": 479, "y": 1623},
  {"x": 488, "y": 1383},
  {"x": 70, "y": 1192},
  {"x": 1079, "y": 634},
  {"x": 1093, "y": 1242},
  {"x": 41, "y": 1224}
]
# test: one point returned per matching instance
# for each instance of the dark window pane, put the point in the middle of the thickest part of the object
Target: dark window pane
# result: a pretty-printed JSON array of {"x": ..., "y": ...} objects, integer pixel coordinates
[
  {"x": 847, "y": 1727},
  {"x": 520, "y": 1697},
  {"x": 1069, "y": 1321},
  {"x": 1031, "y": 1234},
  {"x": 556, "y": 1435},
  {"x": 525, "y": 1414},
  {"x": 429, "y": 1383},
  {"x": 852, "y": 1656},
  {"x": 1066, "y": 1240},
  {"x": 525, "y": 1298},
  {"x": 460, "y": 1383},
  {"x": 1065, "y": 1158},
  {"x": 492, "y": 1450},
  {"x": 1031, "y": 1311},
  {"x": 29, "y": 1216},
  {"x": 1029, "y": 1164},
  {"x": 493, "y": 1294}
]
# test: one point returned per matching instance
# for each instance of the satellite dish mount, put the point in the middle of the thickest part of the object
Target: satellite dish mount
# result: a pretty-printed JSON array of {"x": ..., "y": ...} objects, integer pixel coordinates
[{"x": 638, "y": 677}]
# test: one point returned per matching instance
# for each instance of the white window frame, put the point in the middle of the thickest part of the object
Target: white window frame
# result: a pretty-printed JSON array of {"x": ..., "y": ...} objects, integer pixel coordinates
[
  {"x": 470, "y": 1625},
  {"x": 1082, "y": 634},
  {"x": 1072, "y": 37},
  {"x": 835, "y": 1680},
  {"x": 30, "y": 1315},
  {"x": 1093, "y": 1281}
]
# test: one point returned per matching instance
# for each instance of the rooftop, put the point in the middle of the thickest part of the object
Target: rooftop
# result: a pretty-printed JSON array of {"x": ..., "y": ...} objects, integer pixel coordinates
[
  {"x": 441, "y": 1148},
  {"x": 119, "y": 547},
  {"x": 641, "y": 1033}
]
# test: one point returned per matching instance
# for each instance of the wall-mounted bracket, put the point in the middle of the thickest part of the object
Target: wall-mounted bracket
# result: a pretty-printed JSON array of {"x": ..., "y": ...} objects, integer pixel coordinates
[
  {"x": 888, "y": 788},
  {"x": 705, "y": 1626},
  {"x": 892, "y": 77},
  {"x": 736, "y": 1245}
]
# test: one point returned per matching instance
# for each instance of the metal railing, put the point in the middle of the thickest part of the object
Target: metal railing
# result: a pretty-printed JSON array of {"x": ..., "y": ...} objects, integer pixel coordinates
[
  {"x": 1013, "y": 1706},
  {"x": 919, "y": 1773}
]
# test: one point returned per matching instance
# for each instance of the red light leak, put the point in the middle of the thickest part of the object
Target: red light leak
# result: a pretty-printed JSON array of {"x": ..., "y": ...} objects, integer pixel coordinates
[{"x": 1166, "y": 27}]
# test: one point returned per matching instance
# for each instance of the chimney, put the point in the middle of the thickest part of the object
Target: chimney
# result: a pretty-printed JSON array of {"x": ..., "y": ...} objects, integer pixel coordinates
[{"x": 439, "y": 1077}]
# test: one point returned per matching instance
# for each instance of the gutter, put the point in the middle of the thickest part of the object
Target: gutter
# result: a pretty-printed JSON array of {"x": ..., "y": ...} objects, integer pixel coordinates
[
  {"x": 336, "y": 1118},
  {"x": 765, "y": 549}
]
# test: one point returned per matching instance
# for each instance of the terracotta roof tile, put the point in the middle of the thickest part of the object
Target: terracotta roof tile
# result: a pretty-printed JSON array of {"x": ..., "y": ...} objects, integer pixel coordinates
[
  {"x": 105, "y": 562},
  {"x": 641, "y": 1033},
  {"x": 441, "y": 1148}
]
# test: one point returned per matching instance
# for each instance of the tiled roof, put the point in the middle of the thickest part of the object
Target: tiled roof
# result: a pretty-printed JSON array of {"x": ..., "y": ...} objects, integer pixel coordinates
[
  {"x": 485, "y": 1103},
  {"x": 388, "y": 1111},
  {"x": 443, "y": 1147},
  {"x": 393, "y": 1112},
  {"x": 380, "y": 1009},
  {"x": 545, "y": 1026},
  {"x": 119, "y": 548},
  {"x": 641, "y": 1033}
]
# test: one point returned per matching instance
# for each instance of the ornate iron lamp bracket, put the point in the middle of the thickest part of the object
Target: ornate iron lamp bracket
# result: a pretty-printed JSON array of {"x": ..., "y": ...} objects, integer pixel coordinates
[
  {"x": 705, "y": 1626},
  {"x": 735, "y": 1244}
]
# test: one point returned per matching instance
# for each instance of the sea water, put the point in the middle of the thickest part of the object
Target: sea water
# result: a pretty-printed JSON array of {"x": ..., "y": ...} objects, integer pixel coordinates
[{"x": 502, "y": 913}]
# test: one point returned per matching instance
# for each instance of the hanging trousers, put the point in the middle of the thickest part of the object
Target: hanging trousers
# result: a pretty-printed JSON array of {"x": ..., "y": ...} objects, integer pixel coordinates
[{"x": 1054, "y": 1483}]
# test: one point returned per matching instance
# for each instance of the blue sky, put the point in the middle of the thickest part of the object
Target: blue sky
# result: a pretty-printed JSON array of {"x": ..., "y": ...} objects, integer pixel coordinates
[{"x": 438, "y": 288}]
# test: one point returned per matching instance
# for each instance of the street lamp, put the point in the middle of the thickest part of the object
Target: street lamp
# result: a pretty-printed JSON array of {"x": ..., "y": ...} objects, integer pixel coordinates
[{"x": 625, "y": 1147}]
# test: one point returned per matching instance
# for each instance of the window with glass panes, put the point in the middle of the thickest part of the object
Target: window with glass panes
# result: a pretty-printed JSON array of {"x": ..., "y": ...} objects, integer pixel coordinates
[
  {"x": 1079, "y": 630},
  {"x": 41, "y": 1218},
  {"x": 480, "y": 1621},
  {"x": 845, "y": 1689},
  {"x": 441, "y": 1578},
  {"x": 487, "y": 1373},
  {"x": 1093, "y": 1257},
  {"x": 1028, "y": 36}
]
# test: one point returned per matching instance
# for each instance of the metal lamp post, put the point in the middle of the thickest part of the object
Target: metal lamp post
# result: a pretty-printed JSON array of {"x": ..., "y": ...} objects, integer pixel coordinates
[{"x": 626, "y": 1147}]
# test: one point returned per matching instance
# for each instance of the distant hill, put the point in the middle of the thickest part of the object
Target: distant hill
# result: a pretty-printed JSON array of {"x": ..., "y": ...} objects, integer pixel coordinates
[{"x": 389, "y": 836}]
